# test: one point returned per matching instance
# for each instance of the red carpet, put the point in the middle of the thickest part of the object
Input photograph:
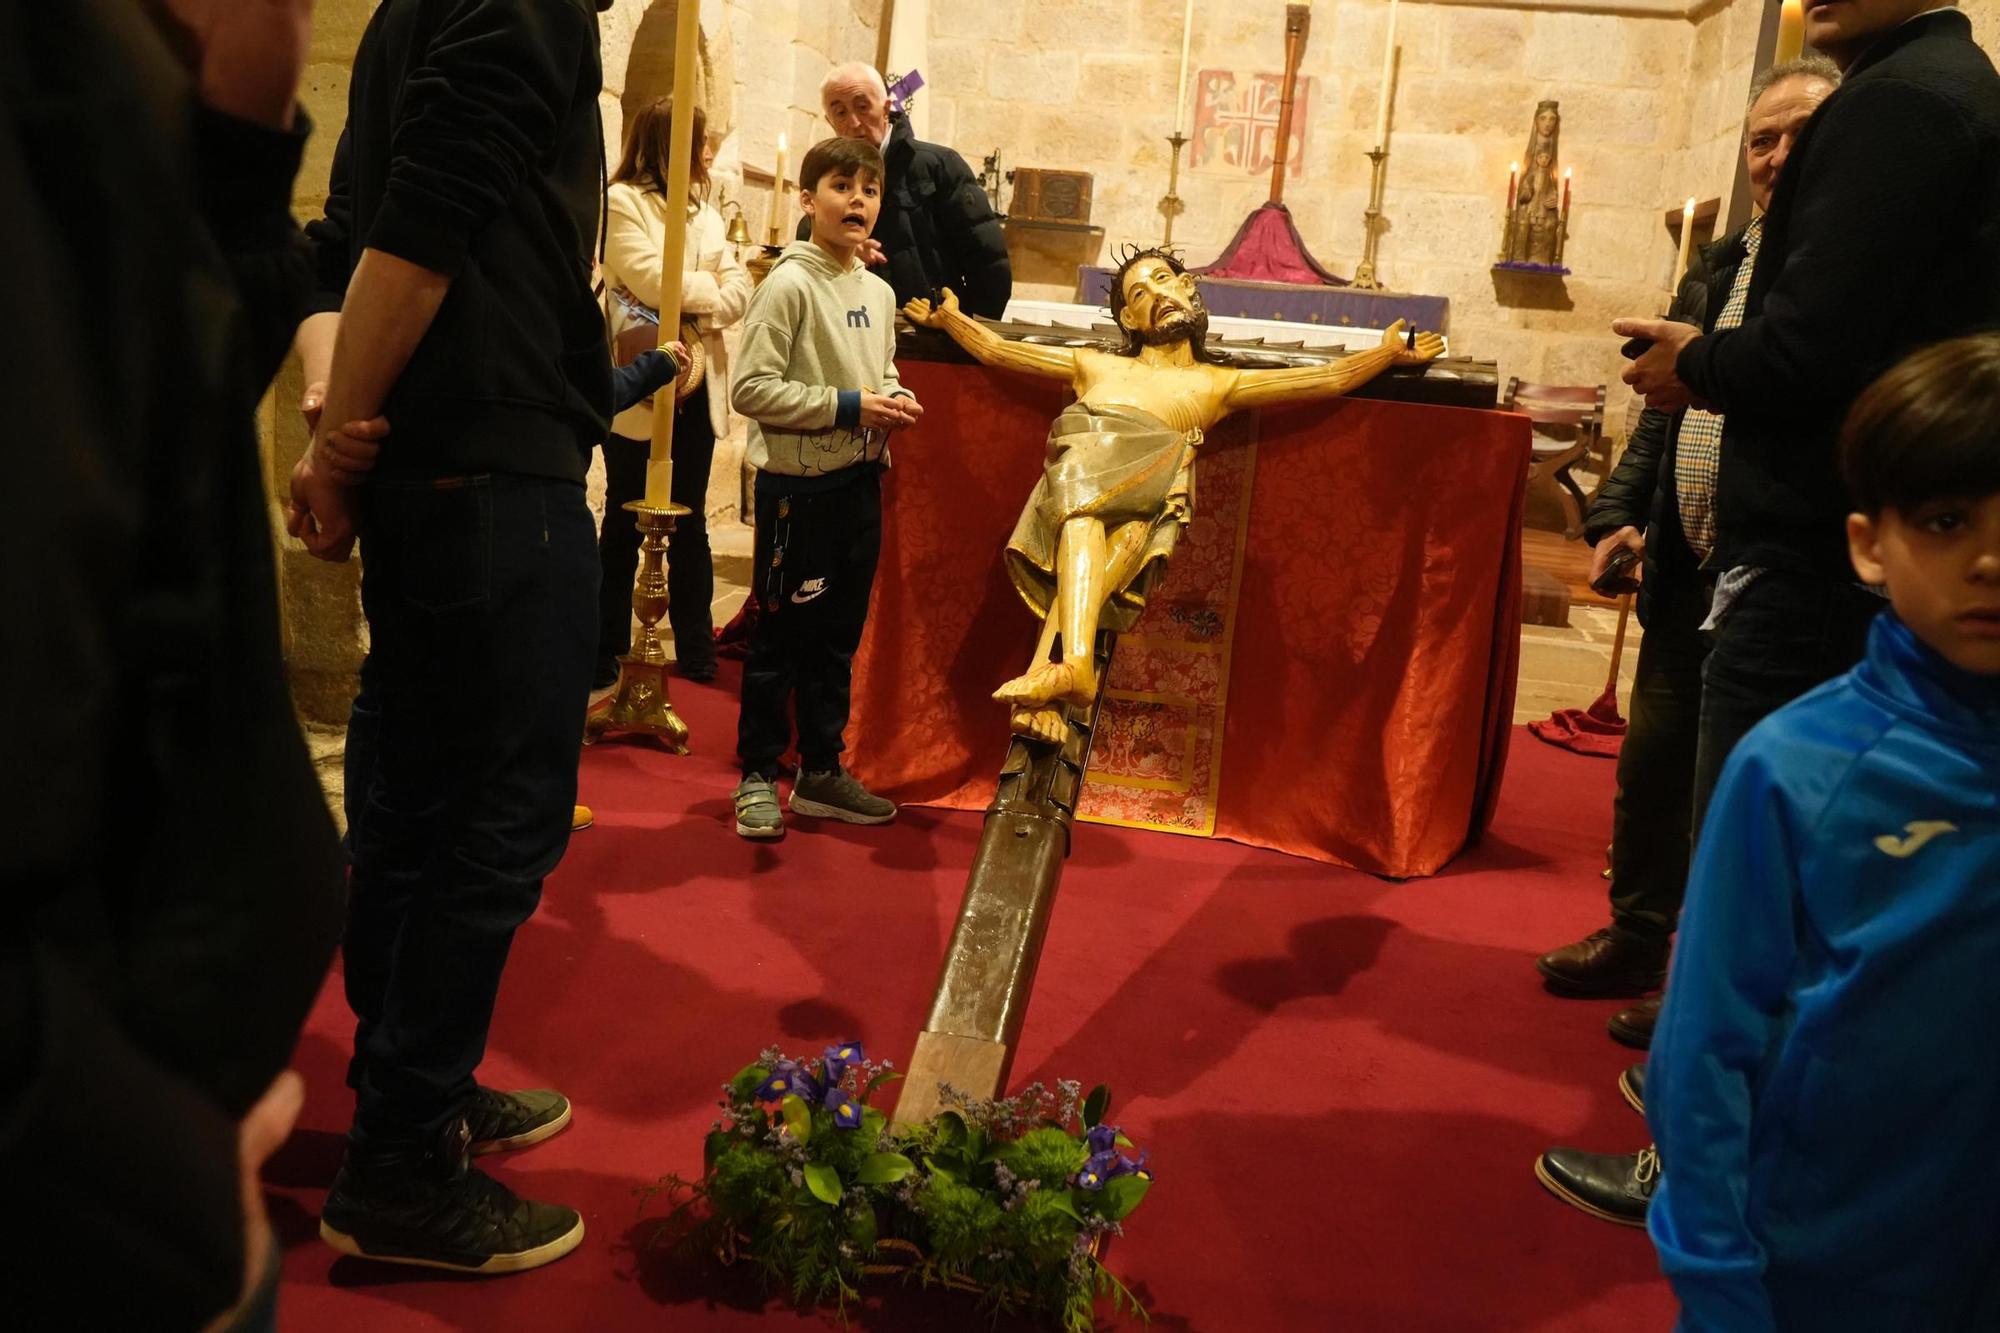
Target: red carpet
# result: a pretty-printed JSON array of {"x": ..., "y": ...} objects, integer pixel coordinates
[{"x": 1343, "y": 1081}]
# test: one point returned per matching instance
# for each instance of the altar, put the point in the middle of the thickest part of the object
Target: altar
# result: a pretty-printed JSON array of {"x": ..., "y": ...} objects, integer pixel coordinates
[{"x": 1328, "y": 668}]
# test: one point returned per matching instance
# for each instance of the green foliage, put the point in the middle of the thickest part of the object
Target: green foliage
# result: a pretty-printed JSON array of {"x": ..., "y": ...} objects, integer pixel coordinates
[
  {"x": 1122, "y": 1195},
  {"x": 824, "y": 1182},
  {"x": 1048, "y": 1156},
  {"x": 1095, "y": 1107}
]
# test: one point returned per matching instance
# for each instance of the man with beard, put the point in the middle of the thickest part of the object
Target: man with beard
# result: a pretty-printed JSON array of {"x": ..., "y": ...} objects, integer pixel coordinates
[{"x": 1117, "y": 486}]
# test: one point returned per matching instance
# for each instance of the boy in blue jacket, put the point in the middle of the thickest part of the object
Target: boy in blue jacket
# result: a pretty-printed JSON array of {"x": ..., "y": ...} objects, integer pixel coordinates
[{"x": 1822, "y": 1086}]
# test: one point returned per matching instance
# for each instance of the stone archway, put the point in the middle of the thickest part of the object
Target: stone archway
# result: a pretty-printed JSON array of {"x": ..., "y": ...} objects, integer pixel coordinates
[{"x": 638, "y": 51}]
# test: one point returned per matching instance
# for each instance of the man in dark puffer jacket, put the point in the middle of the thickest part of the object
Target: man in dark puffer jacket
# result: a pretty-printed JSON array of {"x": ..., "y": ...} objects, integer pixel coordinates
[{"x": 937, "y": 228}]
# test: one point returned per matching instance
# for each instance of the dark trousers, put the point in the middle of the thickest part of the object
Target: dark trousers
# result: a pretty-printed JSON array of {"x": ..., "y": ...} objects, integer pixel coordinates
[
  {"x": 812, "y": 573},
  {"x": 1653, "y": 815},
  {"x": 690, "y": 568},
  {"x": 1784, "y": 635},
  {"x": 461, "y": 772}
]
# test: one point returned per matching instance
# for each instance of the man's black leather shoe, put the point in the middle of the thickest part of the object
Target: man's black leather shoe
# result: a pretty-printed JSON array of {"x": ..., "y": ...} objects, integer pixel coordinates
[
  {"x": 1605, "y": 963},
  {"x": 1617, "y": 1188},
  {"x": 1632, "y": 1084},
  {"x": 1634, "y": 1026},
  {"x": 432, "y": 1209}
]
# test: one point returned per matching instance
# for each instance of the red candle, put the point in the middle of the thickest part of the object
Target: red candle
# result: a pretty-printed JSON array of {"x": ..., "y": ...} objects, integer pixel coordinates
[{"x": 1513, "y": 182}]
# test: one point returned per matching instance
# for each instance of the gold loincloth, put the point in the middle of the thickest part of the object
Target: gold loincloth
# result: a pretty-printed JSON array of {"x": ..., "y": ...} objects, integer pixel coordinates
[{"x": 1120, "y": 466}]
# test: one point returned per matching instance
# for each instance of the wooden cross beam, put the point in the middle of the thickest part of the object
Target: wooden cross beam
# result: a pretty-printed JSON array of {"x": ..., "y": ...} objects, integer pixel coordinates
[{"x": 982, "y": 993}]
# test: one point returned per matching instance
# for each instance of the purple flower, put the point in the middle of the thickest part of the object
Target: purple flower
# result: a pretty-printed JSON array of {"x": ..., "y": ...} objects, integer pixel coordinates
[
  {"x": 838, "y": 1058},
  {"x": 846, "y": 1111},
  {"x": 1125, "y": 1166},
  {"x": 1101, "y": 1138},
  {"x": 786, "y": 1079},
  {"x": 1095, "y": 1171}
]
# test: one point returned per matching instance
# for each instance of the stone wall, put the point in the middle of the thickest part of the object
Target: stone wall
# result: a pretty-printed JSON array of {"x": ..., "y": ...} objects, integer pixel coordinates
[{"x": 1985, "y": 15}]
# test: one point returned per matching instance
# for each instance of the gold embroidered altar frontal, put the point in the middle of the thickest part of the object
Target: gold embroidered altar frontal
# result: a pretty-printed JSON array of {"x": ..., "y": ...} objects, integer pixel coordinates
[{"x": 1156, "y": 761}]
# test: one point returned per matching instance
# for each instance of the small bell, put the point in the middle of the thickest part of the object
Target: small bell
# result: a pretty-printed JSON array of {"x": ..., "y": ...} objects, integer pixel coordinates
[{"x": 739, "y": 230}]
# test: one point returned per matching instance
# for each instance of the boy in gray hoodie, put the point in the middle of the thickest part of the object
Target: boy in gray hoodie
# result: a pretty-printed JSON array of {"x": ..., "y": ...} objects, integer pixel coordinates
[{"x": 816, "y": 378}]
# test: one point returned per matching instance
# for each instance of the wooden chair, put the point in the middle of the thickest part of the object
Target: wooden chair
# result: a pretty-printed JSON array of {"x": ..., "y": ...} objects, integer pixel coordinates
[{"x": 1569, "y": 428}]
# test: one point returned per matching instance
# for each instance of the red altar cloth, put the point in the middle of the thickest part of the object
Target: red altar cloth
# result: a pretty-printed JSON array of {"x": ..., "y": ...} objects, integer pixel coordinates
[{"x": 1371, "y": 691}]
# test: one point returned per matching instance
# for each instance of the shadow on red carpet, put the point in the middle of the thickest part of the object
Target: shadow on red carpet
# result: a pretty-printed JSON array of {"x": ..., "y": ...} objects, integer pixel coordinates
[{"x": 1343, "y": 1081}]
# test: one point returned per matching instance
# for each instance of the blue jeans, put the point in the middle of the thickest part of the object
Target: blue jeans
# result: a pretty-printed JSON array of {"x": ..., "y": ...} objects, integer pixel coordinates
[{"x": 480, "y": 594}]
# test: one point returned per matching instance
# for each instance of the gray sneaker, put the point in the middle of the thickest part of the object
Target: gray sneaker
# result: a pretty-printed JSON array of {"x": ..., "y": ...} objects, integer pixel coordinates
[
  {"x": 837, "y": 794},
  {"x": 757, "y": 812}
]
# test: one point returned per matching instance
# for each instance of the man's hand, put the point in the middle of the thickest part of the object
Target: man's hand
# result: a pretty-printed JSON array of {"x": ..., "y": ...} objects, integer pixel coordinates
[
  {"x": 349, "y": 451},
  {"x": 919, "y": 311},
  {"x": 321, "y": 513},
  {"x": 881, "y": 413},
  {"x": 1652, "y": 375},
  {"x": 1429, "y": 347},
  {"x": 871, "y": 253},
  {"x": 1626, "y": 537},
  {"x": 252, "y": 53},
  {"x": 264, "y": 1129}
]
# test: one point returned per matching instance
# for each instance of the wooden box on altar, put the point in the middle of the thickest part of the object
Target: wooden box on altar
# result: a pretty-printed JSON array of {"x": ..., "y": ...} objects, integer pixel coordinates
[{"x": 1041, "y": 195}]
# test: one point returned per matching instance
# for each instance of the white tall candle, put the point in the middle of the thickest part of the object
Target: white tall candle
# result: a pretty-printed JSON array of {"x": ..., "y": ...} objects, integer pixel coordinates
[
  {"x": 1181, "y": 85},
  {"x": 1791, "y": 31},
  {"x": 778, "y": 210},
  {"x": 1687, "y": 242},
  {"x": 1388, "y": 77}
]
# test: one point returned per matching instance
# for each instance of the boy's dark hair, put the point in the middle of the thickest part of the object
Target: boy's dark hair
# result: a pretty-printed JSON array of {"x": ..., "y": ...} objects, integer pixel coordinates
[
  {"x": 1130, "y": 256},
  {"x": 837, "y": 156},
  {"x": 1928, "y": 429}
]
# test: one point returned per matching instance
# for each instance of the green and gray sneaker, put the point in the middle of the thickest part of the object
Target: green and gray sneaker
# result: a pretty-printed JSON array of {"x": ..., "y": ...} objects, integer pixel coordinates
[
  {"x": 757, "y": 812},
  {"x": 509, "y": 1121},
  {"x": 838, "y": 794}
]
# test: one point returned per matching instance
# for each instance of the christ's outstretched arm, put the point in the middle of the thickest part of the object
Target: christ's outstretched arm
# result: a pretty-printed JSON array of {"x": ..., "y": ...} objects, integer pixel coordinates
[
  {"x": 1056, "y": 363},
  {"x": 1304, "y": 384}
]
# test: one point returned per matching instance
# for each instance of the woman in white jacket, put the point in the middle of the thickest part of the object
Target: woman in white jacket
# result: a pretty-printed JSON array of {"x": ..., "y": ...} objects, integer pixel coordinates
[{"x": 715, "y": 291}]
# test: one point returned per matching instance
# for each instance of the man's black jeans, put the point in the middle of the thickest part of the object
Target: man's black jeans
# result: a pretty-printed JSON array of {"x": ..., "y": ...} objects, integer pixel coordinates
[
  {"x": 1785, "y": 634},
  {"x": 1653, "y": 814},
  {"x": 812, "y": 573},
  {"x": 481, "y": 595}
]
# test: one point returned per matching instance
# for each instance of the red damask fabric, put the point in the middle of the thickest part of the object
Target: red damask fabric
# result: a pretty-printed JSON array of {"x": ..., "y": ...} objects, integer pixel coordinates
[{"x": 1377, "y": 630}]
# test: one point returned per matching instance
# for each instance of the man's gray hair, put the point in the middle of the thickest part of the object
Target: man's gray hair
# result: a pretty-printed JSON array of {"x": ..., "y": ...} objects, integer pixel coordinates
[
  {"x": 1810, "y": 67},
  {"x": 854, "y": 71}
]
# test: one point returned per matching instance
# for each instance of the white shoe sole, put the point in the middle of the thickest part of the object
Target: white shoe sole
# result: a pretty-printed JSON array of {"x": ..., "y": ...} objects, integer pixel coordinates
[
  {"x": 497, "y": 1264},
  {"x": 814, "y": 810},
  {"x": 759, "y": 834},
  {"x": 539, "y": 1134}
]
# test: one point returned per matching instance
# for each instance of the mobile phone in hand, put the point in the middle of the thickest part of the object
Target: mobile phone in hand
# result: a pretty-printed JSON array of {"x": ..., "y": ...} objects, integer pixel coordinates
[
  {"x": 1617, "y": 579},
  {"x": 1636, "y": 348}
]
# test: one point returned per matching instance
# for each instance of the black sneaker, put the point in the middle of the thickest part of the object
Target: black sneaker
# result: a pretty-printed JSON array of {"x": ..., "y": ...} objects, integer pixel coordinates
[
  {"x": 838, "y": 794},
  {"x": 508, "y": 1121},
  {"x": 434, "y": 1210}
]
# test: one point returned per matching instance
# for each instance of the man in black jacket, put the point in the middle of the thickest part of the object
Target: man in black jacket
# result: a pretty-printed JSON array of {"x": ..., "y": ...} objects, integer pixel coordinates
[
  {"x": 937, "y": 228},
  {"x": 1883, "y": 235},
  {"x": 1659, "y": 501},
  {"x": 456, "y": 249},
  {"x": 171, "y": 875}
]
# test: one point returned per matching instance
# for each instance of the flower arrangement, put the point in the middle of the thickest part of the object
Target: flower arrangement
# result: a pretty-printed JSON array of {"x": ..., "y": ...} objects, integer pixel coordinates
[{"x": 1011, "y": 1199}]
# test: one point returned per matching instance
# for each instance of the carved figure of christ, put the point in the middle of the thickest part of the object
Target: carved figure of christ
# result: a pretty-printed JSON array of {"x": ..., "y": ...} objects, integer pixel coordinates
[{"x": 1165, "y": 392}]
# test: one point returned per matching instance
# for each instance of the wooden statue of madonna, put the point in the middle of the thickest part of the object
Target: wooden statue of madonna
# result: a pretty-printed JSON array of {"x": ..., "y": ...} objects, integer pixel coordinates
[{"x": 1534, "y": 232}]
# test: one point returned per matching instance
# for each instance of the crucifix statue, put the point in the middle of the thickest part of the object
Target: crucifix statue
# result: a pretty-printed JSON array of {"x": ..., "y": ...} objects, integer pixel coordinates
[
  {"x": 1118, "y": 483},
  {"x": 1117, "y": 487}
]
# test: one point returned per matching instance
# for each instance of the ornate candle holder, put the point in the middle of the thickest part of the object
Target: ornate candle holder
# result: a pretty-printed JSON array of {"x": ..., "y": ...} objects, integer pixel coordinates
[
  {"x": 760, "y": 262},
  {"x": 1170, "y": 203},
  {"x": 1371, "y": 222},
  {"x": 639, "y": 703}
]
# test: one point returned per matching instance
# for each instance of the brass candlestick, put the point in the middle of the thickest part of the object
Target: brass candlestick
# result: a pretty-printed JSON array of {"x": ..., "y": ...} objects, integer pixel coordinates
[
  {"x": 1364, "y": 272},
  {"x": 1170, "y": 203},
  {"x": 639, "y": 703}
]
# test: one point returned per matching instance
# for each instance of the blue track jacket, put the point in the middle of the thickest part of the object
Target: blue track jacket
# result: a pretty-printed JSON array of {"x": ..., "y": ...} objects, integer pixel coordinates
[{"x": 1824, "y": 1084}]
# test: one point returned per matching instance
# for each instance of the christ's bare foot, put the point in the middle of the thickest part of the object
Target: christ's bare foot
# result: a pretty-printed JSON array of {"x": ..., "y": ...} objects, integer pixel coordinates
[
  {"x": 1051, "y": 682},
  {"x": 1041, "y": 724}
]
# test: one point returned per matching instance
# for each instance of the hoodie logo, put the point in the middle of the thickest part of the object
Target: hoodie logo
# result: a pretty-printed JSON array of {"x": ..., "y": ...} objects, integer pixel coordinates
[
  {"x": 1921, "y": 831},
  {"x": 858, "y": 319},
  {"x": 808, "y": 590}
]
